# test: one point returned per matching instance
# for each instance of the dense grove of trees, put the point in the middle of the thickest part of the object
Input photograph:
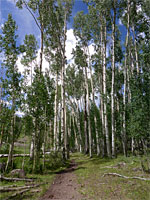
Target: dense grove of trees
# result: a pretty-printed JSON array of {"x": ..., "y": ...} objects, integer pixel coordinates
[{"x": 100, "y": 102}]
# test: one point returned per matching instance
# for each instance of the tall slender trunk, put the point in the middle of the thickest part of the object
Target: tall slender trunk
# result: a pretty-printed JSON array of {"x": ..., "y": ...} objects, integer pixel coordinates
[
  {"x": 42, "y": 45},
  {"x": 94, "y": 103},
  {"x": 1, "y": 91},
  {"x": 11, "y": 145},
  {"x": 75, "y": 134},
  {"x": 55, "y": 114},
  {"x": 35, "y": 146},
  {"x": 124, "y": 137},
  {"x": 103, "y": 121},
  {"x": 79, "y": 130},
  {"x": 33, "y": 134},
  {"x": 2, "y": 134},
  {"x": 88, "y": 113},
  {"x": 105, "y": 91},
  {"x": 85, "y": 124},
  {"x": 44, "y": 140},
  {"x": 42, "y": 37},
  {"x": 102, "y": 140},
  {"x": 23, "y": 160},
  {"x": 76, "y": 119},
  {"x": 113, "y": 82},
  {"x": 1, "y": 104},
  {"x": 136, "y": 51},
  {"x": 63, "y": 120},
  {"x": 59, "y": 139},
  {"x": 69, "y": 128}
]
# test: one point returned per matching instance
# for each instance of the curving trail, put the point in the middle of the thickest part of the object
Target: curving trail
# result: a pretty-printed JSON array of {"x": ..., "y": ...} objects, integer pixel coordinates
[{"x": 65, "y": 186}]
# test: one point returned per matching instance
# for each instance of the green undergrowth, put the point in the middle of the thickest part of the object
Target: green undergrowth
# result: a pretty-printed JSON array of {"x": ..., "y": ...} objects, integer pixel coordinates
[
  {"x": 44, "y": 181},
  {"x": 45, "y": 177},
  {"x": 95, "y": 186}
]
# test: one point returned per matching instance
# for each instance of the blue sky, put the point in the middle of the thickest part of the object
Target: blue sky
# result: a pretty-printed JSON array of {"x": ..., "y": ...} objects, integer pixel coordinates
[
  {"x": 26, "y": 23},
  {"x": 24, "y": 20}
]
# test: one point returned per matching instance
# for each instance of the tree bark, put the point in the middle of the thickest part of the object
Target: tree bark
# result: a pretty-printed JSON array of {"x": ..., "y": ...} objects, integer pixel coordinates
[
  {"x": 88, "y": 113},
  {"x": 55, "y": 114},
  {"x": 124, "y": 137},
  {"x": 94, "y": 103},
  {"x": 113, "y": 82},
  {"x": 105, "y": 91},
  {"x": 136, "y": 52},
  {"x": 15, "y": 179},
  {"x": 63, "y": 120},
  {"x": 102, "y": 147},
  {"x": 127, "y": 177},
  {"x": 85, "y": 124}
]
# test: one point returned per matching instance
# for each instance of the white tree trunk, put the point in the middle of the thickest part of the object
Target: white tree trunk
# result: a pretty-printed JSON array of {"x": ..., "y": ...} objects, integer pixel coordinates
[
  {"x": 55, "y": 114},
  {"x": 93, "y": 99},
  {"x": 113, "y": 82},
  {"x": 136, "y": 52},
  {"x": 88, "y": 112},
  {"x": 63, "y": 120},
  {"x": 125, "y": 82},
  {"x": 105, "y": 92}
]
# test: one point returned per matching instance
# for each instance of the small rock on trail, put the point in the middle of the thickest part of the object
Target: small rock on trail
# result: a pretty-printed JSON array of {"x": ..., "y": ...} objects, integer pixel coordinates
[{"x": 65, "y": 186}]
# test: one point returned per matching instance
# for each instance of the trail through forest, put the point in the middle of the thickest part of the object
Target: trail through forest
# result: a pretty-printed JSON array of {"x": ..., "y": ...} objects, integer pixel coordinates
[{"x": 65, "y": 186}]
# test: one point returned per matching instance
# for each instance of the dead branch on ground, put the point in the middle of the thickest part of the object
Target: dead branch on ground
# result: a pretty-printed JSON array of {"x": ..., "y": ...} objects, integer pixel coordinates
[
  {"x": 2, "y": 178},
  {"x": 126, "y": 177}
]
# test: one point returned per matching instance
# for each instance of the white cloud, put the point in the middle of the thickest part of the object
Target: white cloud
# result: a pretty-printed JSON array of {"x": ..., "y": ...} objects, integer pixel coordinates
[
  {"x": 19, "y": 113},
  {"x": 70, "y": 43},
  {"x": 138, "y": 8},
  {"x": 1, "y": 25},
  {"x": 142, "y": 34},
  {"x": 91, "y": 49},
  {"x": 120, "y": 22},
  {"x": 21, "y": 68}
]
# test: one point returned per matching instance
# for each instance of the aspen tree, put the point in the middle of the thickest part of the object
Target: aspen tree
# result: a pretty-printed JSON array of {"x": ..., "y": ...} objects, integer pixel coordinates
[
  {"x": 113, "y": 80},
  {"x": 124, "y": 137}
]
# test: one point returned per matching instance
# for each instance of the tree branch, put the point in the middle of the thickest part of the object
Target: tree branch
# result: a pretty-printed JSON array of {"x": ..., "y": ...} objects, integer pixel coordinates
[
  {"x": 126, "y": 177},
  {"x": 2, "y": 178},
  {"x": 32, "y": 15}
]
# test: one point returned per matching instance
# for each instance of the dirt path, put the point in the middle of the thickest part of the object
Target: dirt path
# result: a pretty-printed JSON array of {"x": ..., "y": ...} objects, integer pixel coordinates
[{"x": 65, "y": 186}]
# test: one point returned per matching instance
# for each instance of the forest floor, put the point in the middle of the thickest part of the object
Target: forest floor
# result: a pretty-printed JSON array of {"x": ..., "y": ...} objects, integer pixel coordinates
[{"x": 85, "y": 180}]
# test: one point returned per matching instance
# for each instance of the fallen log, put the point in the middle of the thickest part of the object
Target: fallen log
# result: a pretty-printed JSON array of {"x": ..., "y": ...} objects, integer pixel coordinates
[
  {"x": 11, "y": 189},
  {"x": 14, "y": 155},
  {"x": 126, "y": 177},
  {"x": 16, "y": 194},
  {"x": 2, "y": 178},
  {"x": 26, "y": 189},
  {"x": 9, "y": 186}
]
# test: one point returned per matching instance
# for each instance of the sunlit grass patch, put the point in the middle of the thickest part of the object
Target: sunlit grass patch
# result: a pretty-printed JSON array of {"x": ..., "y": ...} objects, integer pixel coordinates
[{"x": 96, "y": 186}]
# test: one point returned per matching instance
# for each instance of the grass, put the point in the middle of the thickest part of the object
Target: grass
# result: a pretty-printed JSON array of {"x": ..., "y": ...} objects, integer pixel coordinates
[
  {"x": 53, "y": 163},
  {"x": 90, "y": 177},
  {"x": 44, "y": 179},
  {"x": 94, "y": 186}
]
